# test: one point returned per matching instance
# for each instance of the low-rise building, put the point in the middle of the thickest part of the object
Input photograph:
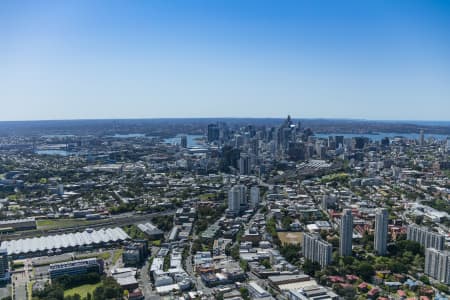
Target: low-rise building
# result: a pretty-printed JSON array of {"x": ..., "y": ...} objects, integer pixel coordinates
[{"x": 77, "y": 267}]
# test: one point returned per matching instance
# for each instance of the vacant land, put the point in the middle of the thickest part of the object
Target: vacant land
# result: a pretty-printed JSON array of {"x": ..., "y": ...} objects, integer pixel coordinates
[
  {"x": 290, "y": 237},
  {"x": 65, "y": 223}
]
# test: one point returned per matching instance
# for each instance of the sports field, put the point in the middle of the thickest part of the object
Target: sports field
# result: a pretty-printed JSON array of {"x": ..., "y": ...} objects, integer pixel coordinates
[{"x": 290, "y": 237}]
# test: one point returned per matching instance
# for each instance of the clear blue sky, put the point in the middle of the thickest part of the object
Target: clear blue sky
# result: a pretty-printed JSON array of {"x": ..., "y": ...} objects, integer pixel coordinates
[{"x": 138, "y": 59}]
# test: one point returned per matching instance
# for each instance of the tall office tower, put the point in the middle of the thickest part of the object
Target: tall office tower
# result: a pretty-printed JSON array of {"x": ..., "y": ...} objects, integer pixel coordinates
[
  {"x": 223, "y": 131},
  {"x": 359, "y": 142},
  {"x": 346, "y": 233},
  {"x": 425, "y": 237},
  {"x": 3, "y": 263},
  {"x": 254, "y": 146},
  {"x": 381, "y": 230},
  {"x": 316, "y": 249},
  {"x": 183, "y": 141},
  {"x": 237, "y": 199},
  {"x": 385, "y": 142},
  {"x": 244, "y": 164},
  {"x": 254, "y": 197},
  {"x": 421, "y": 138},
  {"x": 437, "y": 264},
  {"x": 331, "y": 143},
  {"x": 339, "y": 140},
  {"x": 213, "y": 133}
]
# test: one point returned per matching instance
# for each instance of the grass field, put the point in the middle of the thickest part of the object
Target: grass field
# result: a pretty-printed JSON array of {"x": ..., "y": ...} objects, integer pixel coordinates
[
  {"x": 117, "y": 255},
  {"x": 64, "y": 223},
  {"x": 82, "y": 290},
  {"x": 102, "y": 255},
  {"x": 205, "y": 197},
  {"x": 290, "y": 237}
]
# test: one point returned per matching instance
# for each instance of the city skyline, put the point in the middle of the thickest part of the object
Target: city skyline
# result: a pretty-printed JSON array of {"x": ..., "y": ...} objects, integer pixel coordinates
[{"x": 120, "y": 60}]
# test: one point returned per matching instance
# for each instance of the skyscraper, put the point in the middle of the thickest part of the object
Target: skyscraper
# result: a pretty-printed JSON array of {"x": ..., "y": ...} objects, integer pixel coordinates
[
  {"x": 316, "y": 249},
  {"x": 346, "y": 233},
  {"x": 381, "y": 230},
  {"x": 425, "y": 237},
  {"x": 254, "y": 197},
  {"x": 339, "y": 141},
  {"x": 213, "y": 133},
  {"x": 244, "y": 164},
  {"x": 183, "y": 141},
  {"x": 437, "y": 264},
  {"x": 421, "y": 138}
]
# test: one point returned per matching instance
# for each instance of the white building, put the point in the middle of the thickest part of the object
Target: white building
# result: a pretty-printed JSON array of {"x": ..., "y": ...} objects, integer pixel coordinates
[
  {"x": 316, "y": 249},
  {"x": 237, "y": 199},
  {"x": 437, "y": 264},
  {"x": 425, "y": 237}
]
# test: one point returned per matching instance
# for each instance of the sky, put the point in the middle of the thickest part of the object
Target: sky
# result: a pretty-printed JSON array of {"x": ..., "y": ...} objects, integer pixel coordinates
[{"x": 87, "y": 59}]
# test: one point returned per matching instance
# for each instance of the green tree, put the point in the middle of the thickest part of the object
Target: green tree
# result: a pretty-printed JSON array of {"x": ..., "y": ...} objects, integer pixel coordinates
[
  {"x": 310, "y": 267},
  {"x": 244, "y": 293},
  {"x": 424, "y": 279},
  {"x": 364, "y": 270}
]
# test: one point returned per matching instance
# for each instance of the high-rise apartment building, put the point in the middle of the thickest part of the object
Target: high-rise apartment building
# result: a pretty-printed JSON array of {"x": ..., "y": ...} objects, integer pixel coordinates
[
  {"x": 425, "y": 237},
  {"x": 237, "y": 199},
  {"x": 254, "y": 197},
  {"x": 381, "y": 230},
  {"x": 316, "y": 249},
  {"x": 437, "y": 264},
  {"x": 346, "y": 233}
]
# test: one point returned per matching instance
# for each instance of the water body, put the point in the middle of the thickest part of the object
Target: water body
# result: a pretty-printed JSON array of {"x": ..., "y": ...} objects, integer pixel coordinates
[
  {"x": 192, "y": 140},
  {"x": 53, "y": 152},
  {"x": 381, "y": 135},
  {"x": 129, "y": 135},
  {"x": 59, "y": 136}
]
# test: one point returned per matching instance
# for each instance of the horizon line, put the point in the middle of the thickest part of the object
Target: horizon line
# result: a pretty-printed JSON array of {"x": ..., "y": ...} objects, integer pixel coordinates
[{"x": 220, "y": 118}]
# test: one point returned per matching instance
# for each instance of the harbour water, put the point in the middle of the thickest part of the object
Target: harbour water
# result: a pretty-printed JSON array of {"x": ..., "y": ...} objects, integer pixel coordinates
[{"x": 381, "y": 135}]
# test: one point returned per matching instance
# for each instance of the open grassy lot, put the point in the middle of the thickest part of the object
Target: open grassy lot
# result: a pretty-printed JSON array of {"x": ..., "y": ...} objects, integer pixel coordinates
[
  {"x": 82, "y": 290},
  {"x": 117, "y": 255},
  {"x": 290, "y": 237},
  {"x": 65, "y": 223}
]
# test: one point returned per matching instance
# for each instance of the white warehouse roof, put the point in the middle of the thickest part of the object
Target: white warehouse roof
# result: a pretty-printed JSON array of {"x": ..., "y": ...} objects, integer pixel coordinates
[{"x": 62, "y": 241}]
